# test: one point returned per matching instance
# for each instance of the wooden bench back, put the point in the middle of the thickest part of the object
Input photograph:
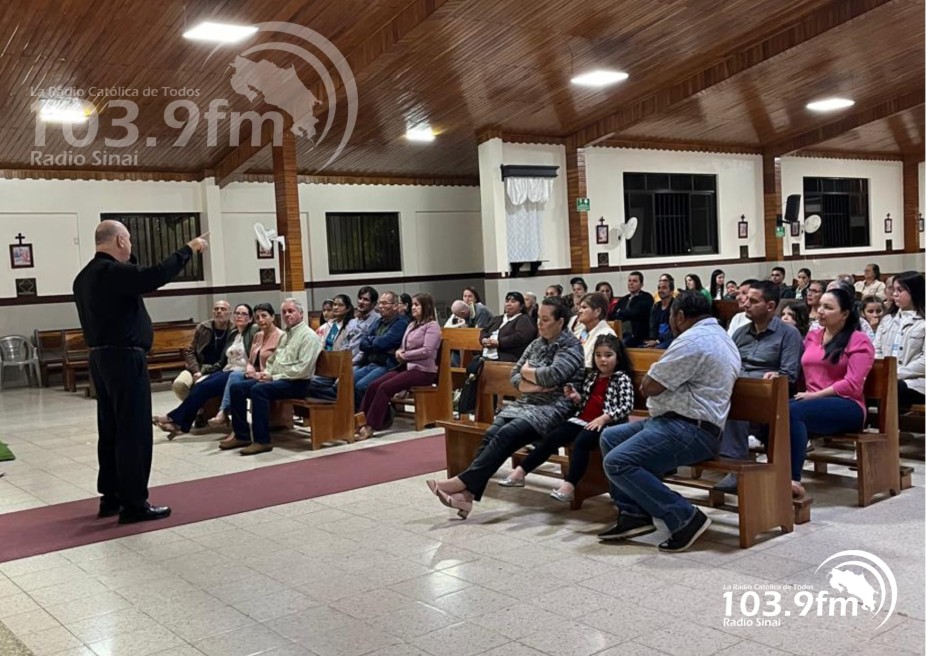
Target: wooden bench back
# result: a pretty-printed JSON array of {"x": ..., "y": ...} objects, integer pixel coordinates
[
  {"x": 75, "y": 346},
  {"x": 641, "y": 359},
  {"x": 725, "y": 310},
  {"x": 334, "y": 364},
  {"x": 172, "y": 338},
  {"x": 464, "y": 341},
  {"x": 48, "y": 339},
  {"x": 495, "y": 381},
  {"x": 881, "y": 389},
  {"x": 617, "y": 327}
]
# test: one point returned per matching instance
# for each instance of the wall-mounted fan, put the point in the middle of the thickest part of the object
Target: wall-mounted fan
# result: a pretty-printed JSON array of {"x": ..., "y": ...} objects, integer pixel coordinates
[
  {"x": 626, "y": 230},
  {"x": 812, "y": 223},
  {"x": 267, "y": 237}
]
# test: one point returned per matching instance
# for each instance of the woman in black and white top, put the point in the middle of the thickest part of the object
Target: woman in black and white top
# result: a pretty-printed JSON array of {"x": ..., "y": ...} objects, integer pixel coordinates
[{"x": 508, "y": 334}]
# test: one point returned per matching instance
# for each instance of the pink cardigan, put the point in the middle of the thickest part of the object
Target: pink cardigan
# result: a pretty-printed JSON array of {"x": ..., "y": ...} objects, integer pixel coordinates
[
  {"x": 847, "y": 377},
  {"x": 265, "y": 349},
  {"x": 420, "y": 345}
]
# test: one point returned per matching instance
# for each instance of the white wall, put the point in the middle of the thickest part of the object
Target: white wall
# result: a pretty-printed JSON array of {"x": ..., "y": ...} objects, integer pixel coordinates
[
  {"x": 440, "y": 229},
  {"x": 739, "y": 192},
  {"x": 885, "y": 194}
]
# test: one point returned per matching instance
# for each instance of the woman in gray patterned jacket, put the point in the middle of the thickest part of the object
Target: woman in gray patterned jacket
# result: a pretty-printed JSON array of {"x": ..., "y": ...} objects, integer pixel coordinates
[{"x": 550, "y": 362}]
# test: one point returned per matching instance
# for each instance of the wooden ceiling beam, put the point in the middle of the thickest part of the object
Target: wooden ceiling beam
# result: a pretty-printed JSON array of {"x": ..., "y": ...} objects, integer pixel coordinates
[
  {"x": 239, "y": 160},
  {"x": 802, "y": 30},
  {"x": 650, "y": 144},
  {"x": 909, "y": 100}
]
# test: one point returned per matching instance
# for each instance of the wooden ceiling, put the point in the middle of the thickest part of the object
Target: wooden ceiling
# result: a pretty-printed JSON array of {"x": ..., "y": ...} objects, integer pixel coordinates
[{"x": 739, "y": 76}]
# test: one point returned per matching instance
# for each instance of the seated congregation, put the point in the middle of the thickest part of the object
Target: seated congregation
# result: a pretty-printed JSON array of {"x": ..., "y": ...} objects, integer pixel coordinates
[{"x": 573, "y": 382}]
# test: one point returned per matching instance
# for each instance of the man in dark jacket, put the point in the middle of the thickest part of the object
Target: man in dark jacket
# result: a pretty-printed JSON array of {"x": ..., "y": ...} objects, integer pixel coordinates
[
  {"x": 635, "y": 308},
  {"x": 118, "y": 331},
  {"x": 206, "y": 347},
  {"x": 378, "y": 346}
]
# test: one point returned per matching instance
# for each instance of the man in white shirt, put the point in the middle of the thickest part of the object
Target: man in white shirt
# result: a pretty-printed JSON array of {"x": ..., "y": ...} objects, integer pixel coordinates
[{"x": 742, "y": 297}]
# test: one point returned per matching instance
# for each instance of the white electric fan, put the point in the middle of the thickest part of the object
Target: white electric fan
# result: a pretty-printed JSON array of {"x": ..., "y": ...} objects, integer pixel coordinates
[
  {"x": 267, "y": 238},
  {"x": 812, "y": 223},
  {"x": 627, "y": 230}
]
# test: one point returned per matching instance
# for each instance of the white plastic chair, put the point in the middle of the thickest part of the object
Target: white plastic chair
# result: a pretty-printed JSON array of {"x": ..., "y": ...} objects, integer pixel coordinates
[{"x": 17, "y": 351}]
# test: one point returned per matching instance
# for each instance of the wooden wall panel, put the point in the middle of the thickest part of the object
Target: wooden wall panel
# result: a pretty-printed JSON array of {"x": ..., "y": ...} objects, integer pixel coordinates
[
  {"x": 911, "y": 208},
  {"x": 771, "y": 196},
  {"x": 286, "y": 193},
  {"x": 577, "y": 187}
]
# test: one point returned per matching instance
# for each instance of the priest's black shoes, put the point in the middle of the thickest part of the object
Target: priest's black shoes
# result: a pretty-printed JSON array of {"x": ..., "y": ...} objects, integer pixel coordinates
[{"x": 145, "y": 514}]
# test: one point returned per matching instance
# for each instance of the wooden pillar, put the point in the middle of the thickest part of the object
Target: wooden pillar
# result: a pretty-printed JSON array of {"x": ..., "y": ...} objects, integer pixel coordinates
[
  {"x": 578, "y": 221},
  {"x": 286, "y": 191},
  {"x": 771, "y": 193},
  {"x": 911, "y": 208}
]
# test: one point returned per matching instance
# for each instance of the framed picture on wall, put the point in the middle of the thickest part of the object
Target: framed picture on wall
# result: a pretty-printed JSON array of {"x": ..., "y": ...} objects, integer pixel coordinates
[
  {"x": 21, "y": 256},
  {"x": 742, "y": 230},
  {"x": 795, "y": 229},
  {"x": 264, "y": 253},
  {"x": 268, "y": 276},
  {"x": 601, "y": 232}
]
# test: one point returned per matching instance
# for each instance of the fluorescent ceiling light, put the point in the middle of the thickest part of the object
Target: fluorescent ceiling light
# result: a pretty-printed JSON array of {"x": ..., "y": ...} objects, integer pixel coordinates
[
  {"x": 65, "y": 110},
  {"x": 221, "y": 32},
  {"x": 830, "y": 104},
  {"x": 599, "y": 78},
  {"x": 422, "y": 132}
]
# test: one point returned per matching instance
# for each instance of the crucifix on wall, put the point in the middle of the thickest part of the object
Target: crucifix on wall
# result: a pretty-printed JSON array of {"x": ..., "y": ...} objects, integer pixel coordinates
[{"x": 21, "y": 254}]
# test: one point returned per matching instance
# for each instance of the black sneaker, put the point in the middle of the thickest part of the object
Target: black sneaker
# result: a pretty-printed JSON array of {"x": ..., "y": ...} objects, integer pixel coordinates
[
  {"x": 628, "y": 527},
  {"x": 685, "y": 537}
]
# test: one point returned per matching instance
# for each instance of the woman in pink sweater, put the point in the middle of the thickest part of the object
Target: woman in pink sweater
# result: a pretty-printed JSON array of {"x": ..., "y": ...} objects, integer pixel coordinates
[
  {"x": 417, "y": 358},
  {"x": 836, "y": 362}
]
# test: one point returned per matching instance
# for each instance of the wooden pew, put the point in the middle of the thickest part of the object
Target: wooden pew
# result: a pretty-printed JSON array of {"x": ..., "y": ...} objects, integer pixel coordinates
[
  {"x": 76, "y": 357},
  {"x": 49, "y": 346},
  {"x": 617, "y": 327},
  {"x": 328, "y": 420},
  {"x": 432, "y": 403},
  {"x": 462, "y": 437},
  {"x": 876, "y": 454},
  {"x": 764, "y": 489},
  {"x": 465, "y": 342},
  {"x": 166, "y": 352}
]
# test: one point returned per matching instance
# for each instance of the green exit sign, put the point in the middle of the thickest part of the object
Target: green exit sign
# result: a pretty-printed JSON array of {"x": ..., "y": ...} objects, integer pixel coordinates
[
  {"x": 780, "y": 232},
  {"x": 583, "y": 205}
]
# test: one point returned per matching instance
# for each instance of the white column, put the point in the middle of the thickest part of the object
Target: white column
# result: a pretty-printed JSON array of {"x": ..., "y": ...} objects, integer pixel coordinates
[
  {"x": 213, "y": 260},
  {"x": 494, "y": 229}
]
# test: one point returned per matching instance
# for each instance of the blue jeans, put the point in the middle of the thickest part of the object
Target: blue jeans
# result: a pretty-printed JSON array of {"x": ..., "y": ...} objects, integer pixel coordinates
[
  {"x": 184, "y": 414},
  {"x": 363, "y": 376},
  {"x": 638, "y": 453},
  {"x": 322, "y": 387},
  {"x": 827, "y": 416},
  {"x": 261, "y": 394},
  {"x": 233, "y": 377}
]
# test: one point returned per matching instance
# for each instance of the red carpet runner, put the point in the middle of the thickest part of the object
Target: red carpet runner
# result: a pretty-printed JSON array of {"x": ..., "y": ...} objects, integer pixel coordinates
[{"x": 66, "y": 525}]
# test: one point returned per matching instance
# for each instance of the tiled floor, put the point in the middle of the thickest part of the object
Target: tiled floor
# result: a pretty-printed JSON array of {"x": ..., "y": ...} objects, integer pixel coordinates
[{"x": 387, "y": 571}]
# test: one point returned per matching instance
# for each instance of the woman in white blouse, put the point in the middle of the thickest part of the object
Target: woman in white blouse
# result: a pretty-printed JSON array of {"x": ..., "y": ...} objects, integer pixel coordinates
[
  {"x": 902, "y": 336},
  {"x": 590, "y": 323},
  {"x": 871, "y": 285}
]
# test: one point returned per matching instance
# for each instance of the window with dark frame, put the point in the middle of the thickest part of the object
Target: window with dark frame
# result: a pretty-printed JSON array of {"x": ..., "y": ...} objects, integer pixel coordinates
[
  {"x": 363, "y": 242},
  {"x": 676, "y": 214},
  {"x": 156, "y": 236},
  {"x": 842, "y": 205}
]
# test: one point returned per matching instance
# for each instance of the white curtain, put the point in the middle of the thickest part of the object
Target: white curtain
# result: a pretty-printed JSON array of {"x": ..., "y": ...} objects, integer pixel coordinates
[{"x": 524, "y": 202}]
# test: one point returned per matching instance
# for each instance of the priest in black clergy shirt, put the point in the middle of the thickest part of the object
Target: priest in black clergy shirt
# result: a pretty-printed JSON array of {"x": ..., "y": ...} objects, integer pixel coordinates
[
  {"x": 118, "y": 331},
  {"x": 635, "y": 308}
]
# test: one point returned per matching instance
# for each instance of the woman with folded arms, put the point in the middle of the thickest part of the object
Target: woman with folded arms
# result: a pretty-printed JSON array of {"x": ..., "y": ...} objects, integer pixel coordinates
[
  {"x": 550, "y": 362},
  {"x": 508, "y": 334},
  {"x": 902, "y": 336},
  {"x": 836, "y": 361},
  {"x": 262, "y": 347},
  {"x": 417, "y": 357},
  {"x": 234, "y": 358}
]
